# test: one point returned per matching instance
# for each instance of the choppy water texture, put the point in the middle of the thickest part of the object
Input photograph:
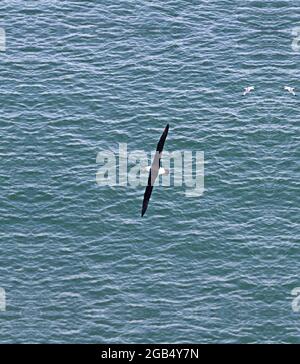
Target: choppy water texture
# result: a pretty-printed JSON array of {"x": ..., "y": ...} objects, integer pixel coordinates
[{"x": 77, "y": 262}]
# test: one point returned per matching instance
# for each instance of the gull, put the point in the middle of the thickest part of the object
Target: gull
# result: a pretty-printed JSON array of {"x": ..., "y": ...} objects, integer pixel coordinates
[
  {"x": 291, "y": 90},
  {"x": 247, "y": 90},
  {"x": 155, "y": 169}
]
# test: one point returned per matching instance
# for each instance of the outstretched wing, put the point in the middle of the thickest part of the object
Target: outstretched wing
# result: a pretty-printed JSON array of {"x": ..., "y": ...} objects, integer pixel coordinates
[
  {"x": 161, "y": 143},
  {"x": 160, "y": 147},
  {"x": 154, "y": 169},
  {"x": 147, "y": 196}
]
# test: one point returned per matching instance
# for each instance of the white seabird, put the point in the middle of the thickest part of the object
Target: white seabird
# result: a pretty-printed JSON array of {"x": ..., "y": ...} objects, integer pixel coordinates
[
  {"x": 247, "y": 90},
  {"x": 291, "y": 90}
]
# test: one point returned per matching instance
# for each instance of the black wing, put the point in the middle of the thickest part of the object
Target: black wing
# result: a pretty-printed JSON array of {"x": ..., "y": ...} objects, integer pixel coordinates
[
  {"x": 154, "y": 169},
  {"x": 147, "y": 196},
  {"x": 160, "y": 146},
  {"x": 161, "y": 143}
]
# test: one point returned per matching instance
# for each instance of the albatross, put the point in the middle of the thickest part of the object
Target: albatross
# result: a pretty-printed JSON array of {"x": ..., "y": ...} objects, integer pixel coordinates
[
  {"x": 155, "y": 169},
  {"x": 289, "y": 89}
]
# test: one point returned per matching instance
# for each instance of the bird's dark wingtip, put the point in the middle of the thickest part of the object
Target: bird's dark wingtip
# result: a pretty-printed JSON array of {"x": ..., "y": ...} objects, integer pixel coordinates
[{"x": 143, "y": 211}]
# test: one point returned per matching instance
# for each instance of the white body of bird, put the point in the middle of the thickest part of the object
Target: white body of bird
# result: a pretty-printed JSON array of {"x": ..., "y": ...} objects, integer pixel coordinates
[
  {"x": 289, "y": 89},
  {"x": 161, "y": 171},
  {"x": 247, "y": 90}
]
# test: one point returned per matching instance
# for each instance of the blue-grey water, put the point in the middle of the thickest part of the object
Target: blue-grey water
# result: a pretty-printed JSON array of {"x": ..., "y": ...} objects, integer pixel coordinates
[{"x": 77, "y": 262}]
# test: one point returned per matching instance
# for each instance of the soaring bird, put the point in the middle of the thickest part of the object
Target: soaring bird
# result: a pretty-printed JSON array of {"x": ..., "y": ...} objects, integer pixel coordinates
[
  {"x": 155, "y": 169},
  {"x": 291, "y": 90},
  {"x": 247, "y": 90}
]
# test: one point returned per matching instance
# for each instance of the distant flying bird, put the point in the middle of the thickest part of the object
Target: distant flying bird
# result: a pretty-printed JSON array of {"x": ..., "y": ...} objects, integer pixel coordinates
[
  {"x": 247, "y": 90},
  {"x": 155, "y": 169},
  {"x": 291, "y": 90}
]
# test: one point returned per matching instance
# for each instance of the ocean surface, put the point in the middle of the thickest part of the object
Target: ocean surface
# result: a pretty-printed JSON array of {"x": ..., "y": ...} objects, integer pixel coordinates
[{"x": 77, "y": 262}]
